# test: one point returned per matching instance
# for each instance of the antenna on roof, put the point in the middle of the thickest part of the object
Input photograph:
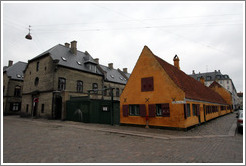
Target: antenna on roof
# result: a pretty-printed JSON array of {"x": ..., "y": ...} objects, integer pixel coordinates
[{"x": 28, "y": 36}]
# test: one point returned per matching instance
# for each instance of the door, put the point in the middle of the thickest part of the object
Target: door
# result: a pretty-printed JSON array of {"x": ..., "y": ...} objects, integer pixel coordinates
[{"x": 57, "y": 109}]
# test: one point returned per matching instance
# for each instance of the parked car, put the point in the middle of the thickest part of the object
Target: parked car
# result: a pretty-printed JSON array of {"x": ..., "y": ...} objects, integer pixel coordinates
[{"x": 240, "y": 121}]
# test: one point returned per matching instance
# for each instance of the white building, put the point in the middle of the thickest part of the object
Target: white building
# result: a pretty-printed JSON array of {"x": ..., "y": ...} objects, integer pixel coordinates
[{"x": 223, "y": 79}]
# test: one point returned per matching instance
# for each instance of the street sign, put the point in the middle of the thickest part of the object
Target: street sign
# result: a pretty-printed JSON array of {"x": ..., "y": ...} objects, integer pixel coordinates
[{"x": 35, "y": 100}]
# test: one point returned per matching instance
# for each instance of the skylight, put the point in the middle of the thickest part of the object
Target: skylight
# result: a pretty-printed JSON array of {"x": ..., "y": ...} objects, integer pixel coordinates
[
  {"x": 121, "y": 78},
  {"x": 79, "y": 63},
  {"x": 18, "y": 76},
  {"x": 64, "y": 59},
  {"x": 112, "y": 76}
]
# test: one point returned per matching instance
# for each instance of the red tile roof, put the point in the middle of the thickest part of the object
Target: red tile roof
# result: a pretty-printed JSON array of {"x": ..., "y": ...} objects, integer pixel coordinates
[{"x": 193, "y": 89}]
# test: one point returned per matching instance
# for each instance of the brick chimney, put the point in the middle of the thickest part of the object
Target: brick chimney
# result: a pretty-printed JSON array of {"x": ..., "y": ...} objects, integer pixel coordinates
[
  {"x": 67, "y": 45},
  {"x": 202, "y": 80},
  {"x": 10, "y": 63},
  {"x": 125, "y": 70},
  {"x": 74, "y": 47},
  {"x": 176, "y": 61},
  {"x": 96, "y": 60},
  {"x": 110, "y": 65}
]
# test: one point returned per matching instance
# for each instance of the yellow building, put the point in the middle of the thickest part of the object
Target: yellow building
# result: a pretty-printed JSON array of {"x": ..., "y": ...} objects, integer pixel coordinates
[
  {"x": 225, "y": 94},
  {"x": 160, "y": 94}
]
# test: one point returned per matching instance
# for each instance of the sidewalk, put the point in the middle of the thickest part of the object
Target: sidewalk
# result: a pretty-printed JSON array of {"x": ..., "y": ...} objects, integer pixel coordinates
[{"x": 224, "y": 126}]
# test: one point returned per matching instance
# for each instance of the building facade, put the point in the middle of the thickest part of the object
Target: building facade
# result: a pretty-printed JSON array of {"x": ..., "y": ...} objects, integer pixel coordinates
[
  {"x": 12, "y": 87},
  {"x": 223, "y": 79},
  {"x": 59, "y": 73},
  {"x": 160, "y": 94}
]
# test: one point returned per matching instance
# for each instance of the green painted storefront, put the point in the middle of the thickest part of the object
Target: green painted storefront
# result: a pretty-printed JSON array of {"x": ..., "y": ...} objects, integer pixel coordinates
[{"x": 83, "y": 109}]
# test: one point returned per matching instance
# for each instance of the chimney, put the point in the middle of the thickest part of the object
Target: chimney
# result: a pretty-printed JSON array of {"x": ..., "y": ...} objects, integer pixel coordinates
[
  {"x": 193, "y": 72},
  {"x": 202, "y": 80},
  {"x": 125, "y": 70},
  {"x": 10, "y": 63},
  {"x": 74, "y": 47},
  {"x": 67, "y": 45},
  {"x": 176, "y": 61},
  {"x": 110, "y": 65},
  {"x": 96, "y": 60}
]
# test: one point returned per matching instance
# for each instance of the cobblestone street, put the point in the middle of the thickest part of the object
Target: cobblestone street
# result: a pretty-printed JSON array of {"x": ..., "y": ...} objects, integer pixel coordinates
[{"x": 49, "y": 141}]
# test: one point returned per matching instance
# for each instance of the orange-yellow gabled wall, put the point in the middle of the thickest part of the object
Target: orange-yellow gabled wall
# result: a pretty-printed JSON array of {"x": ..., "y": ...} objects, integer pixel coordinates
[
  {"x": 164, "y": 91},
  {"x": 223, "y": 93}
]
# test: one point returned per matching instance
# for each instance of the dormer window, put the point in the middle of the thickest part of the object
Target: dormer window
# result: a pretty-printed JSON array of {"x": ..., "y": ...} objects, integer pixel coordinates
[
  {"x": 208, "y": 78},
  {"x": 64, "y": 59}
]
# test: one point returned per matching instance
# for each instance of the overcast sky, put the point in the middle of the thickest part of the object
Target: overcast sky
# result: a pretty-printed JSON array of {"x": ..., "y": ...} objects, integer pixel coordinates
[{"x": 206, "y": 36}]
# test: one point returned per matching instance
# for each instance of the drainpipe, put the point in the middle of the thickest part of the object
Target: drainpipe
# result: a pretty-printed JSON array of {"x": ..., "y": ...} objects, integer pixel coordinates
[{"x": 112, "y": 106}]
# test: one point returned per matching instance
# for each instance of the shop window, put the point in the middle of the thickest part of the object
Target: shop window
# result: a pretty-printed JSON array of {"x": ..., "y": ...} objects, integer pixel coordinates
[
  {"x": 61, "y": 84},
  {"x": 147, "y": 84},
  {"x": 79, "y": 86},
  {"x": 17, "y": 92}
]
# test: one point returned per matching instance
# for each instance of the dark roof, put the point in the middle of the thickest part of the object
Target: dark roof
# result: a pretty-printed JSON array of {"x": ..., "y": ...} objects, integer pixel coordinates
[
  {"x": 240, "y": 94},
  {"x": 193, "y": 89},
  {"x": 113, "y": 75},
  {"x": 16, "y": 70},
  {"x": 67, "y": 59},
  {"x": 210, "y": 76}
]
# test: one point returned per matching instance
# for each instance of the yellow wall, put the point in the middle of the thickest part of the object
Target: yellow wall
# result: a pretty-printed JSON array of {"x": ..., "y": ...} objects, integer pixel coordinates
[{"x": 165, "y": 90}]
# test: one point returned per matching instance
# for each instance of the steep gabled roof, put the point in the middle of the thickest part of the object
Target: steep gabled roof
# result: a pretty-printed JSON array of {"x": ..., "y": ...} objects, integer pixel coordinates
[
  {"x": 193, "y": 89},
  {"x": 16, "y": 70}
]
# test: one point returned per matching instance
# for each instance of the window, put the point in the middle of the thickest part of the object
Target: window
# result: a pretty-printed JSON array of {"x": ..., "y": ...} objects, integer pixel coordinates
[
  {"x": 198, "y": 78},
  {"x": 208, "y": 78},
  {"x": 162, "y": 110},
  {"x": 134, "y": 110},
  {"x": 79, "y": 86},
  {"x": 15, "y": 106},
  {"x": 117, "y": 92},
  {"x": 37, "y": 66},
  {"x": 17, "y": 92},
  {"x": 63, "y": 58},
  {"x": 61, "y": 84},
  {"x": 227, "y": 82},
  {"x": 27, "y": 108},
  {"x": 42, "y": 108},
  {"x": 36, "y": 81},
  {"x": 95, "y": 87},
  {"x": 147, "y": 84},
  {"x": 187, "y": 110},
  {"x": 194, "y": 109},
  {"x": 158, "y": 110},
  {"x": 105, "y": 91}
]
